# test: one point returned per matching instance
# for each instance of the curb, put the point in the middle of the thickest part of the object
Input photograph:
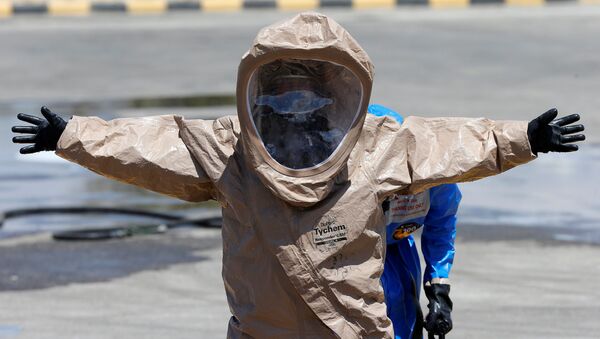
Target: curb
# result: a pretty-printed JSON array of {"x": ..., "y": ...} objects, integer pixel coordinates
[{"x": 84, "y": 7}]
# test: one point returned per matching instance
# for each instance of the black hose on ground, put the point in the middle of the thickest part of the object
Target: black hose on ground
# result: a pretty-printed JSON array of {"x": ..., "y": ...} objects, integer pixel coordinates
[{"x": 172, "y": 221}]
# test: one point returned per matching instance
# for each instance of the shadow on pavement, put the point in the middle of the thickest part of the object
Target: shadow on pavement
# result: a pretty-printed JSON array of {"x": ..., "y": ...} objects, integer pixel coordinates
[{"x": 45, "y": 264}]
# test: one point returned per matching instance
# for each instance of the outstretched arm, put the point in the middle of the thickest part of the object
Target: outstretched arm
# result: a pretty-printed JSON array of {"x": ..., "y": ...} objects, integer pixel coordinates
[
  {"x": 145, "y": 152},
  {"x": 426, "y": 152}
]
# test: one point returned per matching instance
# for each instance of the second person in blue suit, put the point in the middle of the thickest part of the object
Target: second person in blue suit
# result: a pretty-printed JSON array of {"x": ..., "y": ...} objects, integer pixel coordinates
[{"x": 433, "y": 210}]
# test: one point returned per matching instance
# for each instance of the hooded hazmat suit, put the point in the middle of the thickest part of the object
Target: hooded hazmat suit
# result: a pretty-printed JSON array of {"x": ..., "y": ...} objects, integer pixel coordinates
[{"x": 303, "y": 248}]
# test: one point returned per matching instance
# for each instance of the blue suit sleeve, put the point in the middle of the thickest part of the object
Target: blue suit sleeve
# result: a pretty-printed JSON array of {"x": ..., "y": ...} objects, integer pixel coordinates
[
  {"x": 439, "y": 231},
  {"x": 382, "y": 111}
]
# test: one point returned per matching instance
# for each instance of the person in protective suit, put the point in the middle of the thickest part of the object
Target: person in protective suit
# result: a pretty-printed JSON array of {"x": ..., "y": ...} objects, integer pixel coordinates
[
  {"x": 301, "y": 174},
  {"x": 433, "y": 210}
]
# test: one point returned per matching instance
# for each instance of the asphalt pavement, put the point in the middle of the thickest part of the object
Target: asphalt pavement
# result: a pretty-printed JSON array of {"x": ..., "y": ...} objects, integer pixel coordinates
[{"x": 503, "y": 63}]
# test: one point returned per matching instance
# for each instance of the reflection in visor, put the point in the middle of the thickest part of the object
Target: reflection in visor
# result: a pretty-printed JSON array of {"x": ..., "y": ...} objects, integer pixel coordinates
[
  {"x": 297, "y": 102},
  {"x": 303, "y": 109}
]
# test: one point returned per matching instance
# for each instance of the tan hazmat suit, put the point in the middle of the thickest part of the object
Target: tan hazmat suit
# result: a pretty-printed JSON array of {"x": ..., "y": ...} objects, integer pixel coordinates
[{"x": 303, "y": 251}]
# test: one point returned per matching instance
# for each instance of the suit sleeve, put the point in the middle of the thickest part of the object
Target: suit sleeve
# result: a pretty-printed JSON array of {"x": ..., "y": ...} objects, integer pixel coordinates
[
  {"x": 439, "y": 231},
  {"x": 427, "y": 152},
  {"x": 145, "y": 152}
]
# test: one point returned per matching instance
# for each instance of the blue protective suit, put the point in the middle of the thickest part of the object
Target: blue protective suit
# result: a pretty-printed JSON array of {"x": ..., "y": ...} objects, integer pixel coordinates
[{"x": 435, "y": 211}]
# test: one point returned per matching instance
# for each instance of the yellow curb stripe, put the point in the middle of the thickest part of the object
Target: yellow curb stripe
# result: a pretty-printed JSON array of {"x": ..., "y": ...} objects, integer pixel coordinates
[
  {"x": 69, "y": 7},
  {"x": 297, "y": 4},
  {"x": 5, "y": 8},
  {"x": 221, "y": 5},
  {"x": 524, "y": 2},
  {"x": 84, "y": 7},
  {"x": 358, "y": 4},
  {"x": 146, "y": 6},
  {"x": 449, "y": 3}
]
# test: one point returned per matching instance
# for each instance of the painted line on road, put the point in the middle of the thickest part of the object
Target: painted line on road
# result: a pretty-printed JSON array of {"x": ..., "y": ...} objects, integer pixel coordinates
[
  {"x": 146, "y": 6},
  {"x": 84, "y": 7},
  {"x": 360, "y": 4},
  {"x": 30, "y": 8},
  {"x": 69, "y": 7},
  {"x": 524, "y": 2},
  {"x": 448, "y": 3},
  {"x": 297, "y": 4},
  {"x": 183, "y": 5},
  {"x": 221, "y": 5},
  {"x": 5, "y": 8},
  {"x": 108, "y": 7}
]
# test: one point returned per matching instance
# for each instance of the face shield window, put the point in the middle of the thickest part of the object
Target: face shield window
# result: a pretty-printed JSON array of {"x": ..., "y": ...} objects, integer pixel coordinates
[{"x": 302, "y": 109}]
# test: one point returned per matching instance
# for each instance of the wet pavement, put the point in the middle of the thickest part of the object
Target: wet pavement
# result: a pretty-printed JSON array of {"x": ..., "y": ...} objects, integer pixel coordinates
[
  {"x": 45, "y": 180},
  {"x": 553, "y": 193}
]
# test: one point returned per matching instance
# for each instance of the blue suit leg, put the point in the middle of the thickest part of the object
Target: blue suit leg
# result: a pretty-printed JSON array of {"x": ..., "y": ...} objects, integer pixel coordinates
[{"x": 401, "y": 283}]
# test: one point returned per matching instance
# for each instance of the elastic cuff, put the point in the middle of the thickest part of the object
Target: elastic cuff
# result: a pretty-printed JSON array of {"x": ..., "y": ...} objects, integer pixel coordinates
[{"x": 445, "y": 281}]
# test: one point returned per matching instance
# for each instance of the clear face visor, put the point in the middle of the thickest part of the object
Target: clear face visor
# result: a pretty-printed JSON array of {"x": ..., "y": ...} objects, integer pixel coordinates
[{"x": 303, "y": 109}]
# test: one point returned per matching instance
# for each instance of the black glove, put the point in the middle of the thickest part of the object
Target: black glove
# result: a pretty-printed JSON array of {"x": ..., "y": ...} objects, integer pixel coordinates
[
  {"x": 549, "y": 135},
  {"x": 44, "y": 133},
  {"x": 438, "y": 320}
]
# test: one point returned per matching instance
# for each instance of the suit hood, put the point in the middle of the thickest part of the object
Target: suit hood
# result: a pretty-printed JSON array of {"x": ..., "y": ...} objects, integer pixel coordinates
[{"x": 305, "y": 37}]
